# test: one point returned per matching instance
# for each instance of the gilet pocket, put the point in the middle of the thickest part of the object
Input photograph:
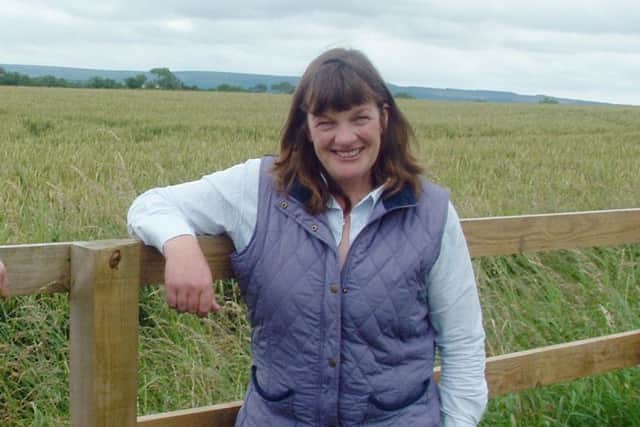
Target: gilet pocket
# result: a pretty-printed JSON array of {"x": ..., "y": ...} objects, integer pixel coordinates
[
  {"x": 266, "y": 395},
  {"x": 380, "y": 409},
  {"x": 275, "y": 403}
]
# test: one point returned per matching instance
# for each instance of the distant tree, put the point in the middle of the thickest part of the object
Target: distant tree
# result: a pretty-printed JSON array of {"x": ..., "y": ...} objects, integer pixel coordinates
[
  {"x": 18, "y": 79},
  {"x": 404, "y": 95},
  {"x": 258, "y": 88},
  {"x": 111, "y": 84},
  {"x": 5, "y": 77},
  {"x": 15, "y": 79},
  {"x": 230, "y": 88},
  {"x": 548, "y": 100},
  {"x": 98, "y": 82},
  {"x": 135, "y": 82},
  {"x": 165, "y": 79},
  {"x": 51, "y": 81},
  {"x": 95, "y": 82},
  {"x": 283, "y": 87}
]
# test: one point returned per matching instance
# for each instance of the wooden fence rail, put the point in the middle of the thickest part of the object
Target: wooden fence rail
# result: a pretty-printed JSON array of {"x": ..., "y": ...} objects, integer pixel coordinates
[{"x": 103, "y": 280}]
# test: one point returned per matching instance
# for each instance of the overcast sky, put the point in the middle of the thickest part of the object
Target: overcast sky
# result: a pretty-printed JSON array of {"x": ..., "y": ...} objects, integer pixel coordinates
[{"x": 583, "y": 49}]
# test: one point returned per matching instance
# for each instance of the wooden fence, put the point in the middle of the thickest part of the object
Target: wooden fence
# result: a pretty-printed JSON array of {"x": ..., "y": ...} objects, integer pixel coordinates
[{"x": 103, "y": 280}]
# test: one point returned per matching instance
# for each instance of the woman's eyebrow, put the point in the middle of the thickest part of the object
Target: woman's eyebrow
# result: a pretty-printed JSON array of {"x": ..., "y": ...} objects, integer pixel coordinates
[
  {"x": 320, "y": 116},
  {"x": 361, "y": 110}
]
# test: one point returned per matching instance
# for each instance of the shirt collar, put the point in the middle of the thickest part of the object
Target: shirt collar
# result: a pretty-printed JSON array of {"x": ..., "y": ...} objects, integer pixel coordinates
[
  {"x": 373, "y": 197},
  {"x": 402, "y": 198}
]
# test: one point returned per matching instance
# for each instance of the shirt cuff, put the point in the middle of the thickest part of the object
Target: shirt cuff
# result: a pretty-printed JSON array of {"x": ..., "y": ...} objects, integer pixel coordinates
[{"x": 448, "y": 421}]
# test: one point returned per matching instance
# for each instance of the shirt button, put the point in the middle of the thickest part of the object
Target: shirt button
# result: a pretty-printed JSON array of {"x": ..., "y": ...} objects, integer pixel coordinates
[
  {"x": 333, "y": 362},
  {"x": 314, "y": 227},
  {"x": 334, "y": 288},
  {"x": 284, "y": 204},
  {"x": 345, "y": 290}
]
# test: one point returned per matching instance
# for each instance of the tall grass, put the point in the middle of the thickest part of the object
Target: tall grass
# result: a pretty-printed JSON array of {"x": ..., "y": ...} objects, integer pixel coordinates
[{"x": 71, "y": 162}]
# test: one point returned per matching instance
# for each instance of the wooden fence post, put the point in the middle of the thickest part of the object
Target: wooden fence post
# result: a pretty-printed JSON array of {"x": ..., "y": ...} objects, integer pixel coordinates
[{"x": 105, "y": 285}]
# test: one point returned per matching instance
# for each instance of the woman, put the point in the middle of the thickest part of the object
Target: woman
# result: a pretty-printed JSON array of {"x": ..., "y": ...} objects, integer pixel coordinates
[{"x": 353, "y": 267}]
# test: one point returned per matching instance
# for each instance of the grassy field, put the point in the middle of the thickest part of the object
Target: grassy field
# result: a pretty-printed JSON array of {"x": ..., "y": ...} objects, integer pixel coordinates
[{"x": 71, "y": 162}]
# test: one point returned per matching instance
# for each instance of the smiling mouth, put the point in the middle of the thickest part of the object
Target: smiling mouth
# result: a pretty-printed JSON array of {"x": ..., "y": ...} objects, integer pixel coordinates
[{"x": 348, "y": 154}]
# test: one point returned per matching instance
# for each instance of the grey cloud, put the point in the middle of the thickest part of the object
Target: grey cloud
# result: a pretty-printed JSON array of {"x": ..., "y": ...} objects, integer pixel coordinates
[
  {"x": 517, "y": 45},
  {"x": 587, "y": 16}
]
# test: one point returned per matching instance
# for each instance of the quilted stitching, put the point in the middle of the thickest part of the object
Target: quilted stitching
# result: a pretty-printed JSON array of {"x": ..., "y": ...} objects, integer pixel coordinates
[{"x": 379, "y": 328}]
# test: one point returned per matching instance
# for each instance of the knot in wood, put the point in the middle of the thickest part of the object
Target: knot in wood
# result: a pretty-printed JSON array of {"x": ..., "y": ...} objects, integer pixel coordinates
[{"x": 116, "y": 256}]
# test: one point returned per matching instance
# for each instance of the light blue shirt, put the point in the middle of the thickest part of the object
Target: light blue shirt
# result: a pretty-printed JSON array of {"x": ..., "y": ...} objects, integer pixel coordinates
[{"x": 227, "y": 202}]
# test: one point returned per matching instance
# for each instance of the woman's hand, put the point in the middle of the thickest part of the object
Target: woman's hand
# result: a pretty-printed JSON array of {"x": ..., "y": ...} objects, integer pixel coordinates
[
  {"x": 4, "y": 291},
  {"x": 187, "y": 277}
]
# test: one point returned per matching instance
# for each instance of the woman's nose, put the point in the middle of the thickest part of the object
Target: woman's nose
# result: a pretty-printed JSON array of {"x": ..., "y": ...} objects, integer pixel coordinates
[{"x": 345, "y": 133}]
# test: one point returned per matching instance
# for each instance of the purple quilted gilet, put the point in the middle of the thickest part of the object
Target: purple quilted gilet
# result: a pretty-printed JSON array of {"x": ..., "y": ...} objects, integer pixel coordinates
[{"x": 341, "y": 348}]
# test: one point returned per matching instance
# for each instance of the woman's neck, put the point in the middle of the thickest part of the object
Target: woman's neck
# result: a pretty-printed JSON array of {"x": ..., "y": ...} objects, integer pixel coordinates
[{"x": 354, "y": 196}]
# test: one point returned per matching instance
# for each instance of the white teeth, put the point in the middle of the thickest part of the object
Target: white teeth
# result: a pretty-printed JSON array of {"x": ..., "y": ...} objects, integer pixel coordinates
[{"x": 347, "y": 154}]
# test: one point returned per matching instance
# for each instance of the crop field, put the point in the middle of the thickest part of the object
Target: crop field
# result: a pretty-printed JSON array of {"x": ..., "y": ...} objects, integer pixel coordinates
[{"x": 72, "y": 160}]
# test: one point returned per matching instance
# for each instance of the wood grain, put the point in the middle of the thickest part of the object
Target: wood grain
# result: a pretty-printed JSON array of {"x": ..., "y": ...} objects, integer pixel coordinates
[
  {"x": 535, "y": 233},
  {"x": 104, "y": 333},
  {"x": 37, "y": 268},
  {"x": 222, "y": 415},
  {"x": 563, "y": 362}
]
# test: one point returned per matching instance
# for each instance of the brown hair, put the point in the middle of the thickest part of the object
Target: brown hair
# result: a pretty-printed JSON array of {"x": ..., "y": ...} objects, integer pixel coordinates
[{"x": 337, "y": 80}]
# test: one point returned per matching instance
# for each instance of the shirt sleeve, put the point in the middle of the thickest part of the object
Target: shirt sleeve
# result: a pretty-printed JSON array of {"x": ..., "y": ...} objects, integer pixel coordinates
[
  {"x": 222, "y": 202},
  {"x": 456, "y": 316}
]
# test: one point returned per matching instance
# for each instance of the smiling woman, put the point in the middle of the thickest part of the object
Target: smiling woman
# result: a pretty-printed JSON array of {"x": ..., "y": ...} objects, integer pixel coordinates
[
  {"x": 353, "y": 267},
  {"x": 345, "y": 85},
  {"x": 347, "y": 144}
]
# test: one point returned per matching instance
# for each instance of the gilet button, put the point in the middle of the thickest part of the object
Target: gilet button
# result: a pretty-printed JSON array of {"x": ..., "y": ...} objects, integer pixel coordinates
[
  {"x": 334, "y": 288},
  {"x": 332, "y": 362}
]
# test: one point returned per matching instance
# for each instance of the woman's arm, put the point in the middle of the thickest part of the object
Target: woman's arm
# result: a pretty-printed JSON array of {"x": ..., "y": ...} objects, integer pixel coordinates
[
  {"x": 456, "y": 316},
  {"x": 187, "y": 277},
  {"x": 223, "y": 202},
  {"x": 169, "y": 218}
]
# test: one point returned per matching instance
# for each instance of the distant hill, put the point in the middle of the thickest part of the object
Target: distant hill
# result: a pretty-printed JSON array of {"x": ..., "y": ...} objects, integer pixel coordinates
[{"x": 213, "y": 79}]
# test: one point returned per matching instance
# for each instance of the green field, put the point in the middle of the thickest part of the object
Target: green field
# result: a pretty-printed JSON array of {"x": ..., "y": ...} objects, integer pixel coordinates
[{"x": 72, "y": 160}]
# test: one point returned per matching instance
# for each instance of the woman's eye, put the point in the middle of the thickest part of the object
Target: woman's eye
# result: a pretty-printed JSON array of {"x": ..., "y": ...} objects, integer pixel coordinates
[
  {"x": 323, "y": 125},
  {"x": 362, "y": 119}
]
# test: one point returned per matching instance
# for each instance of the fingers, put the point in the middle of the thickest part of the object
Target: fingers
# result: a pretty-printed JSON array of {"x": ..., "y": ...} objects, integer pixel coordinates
[
  {"x": 4, "y": 292},
  {"x": 172, "y": 296},
  {"x": 181, "y": 305},
  {"x": 187, "y": 299},
  {"x": 204, "y": 303},
  {"x": 188, "y": 279},
  {"x": 214, "y": 304},
  {"x": 207, "y": 303},
  {"x": 193, "y": 302}
]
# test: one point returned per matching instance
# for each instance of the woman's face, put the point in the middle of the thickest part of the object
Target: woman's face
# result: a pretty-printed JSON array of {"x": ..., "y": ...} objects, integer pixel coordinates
[{"x": 347, "y": 143}]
